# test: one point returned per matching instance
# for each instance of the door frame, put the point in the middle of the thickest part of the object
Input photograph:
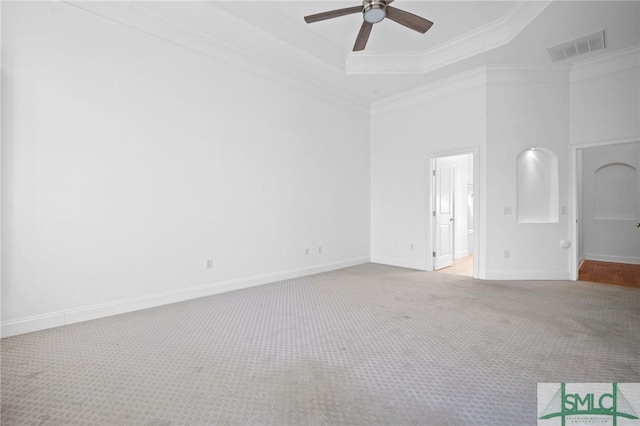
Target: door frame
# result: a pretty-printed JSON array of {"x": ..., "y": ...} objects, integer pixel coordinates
[
  {"x": 574, "y": 261},
  {"x": 478, "y": 213}
]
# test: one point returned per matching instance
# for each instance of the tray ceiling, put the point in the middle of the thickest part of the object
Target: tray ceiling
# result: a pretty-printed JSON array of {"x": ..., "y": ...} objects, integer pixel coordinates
[{"x": 272, "y": 36}]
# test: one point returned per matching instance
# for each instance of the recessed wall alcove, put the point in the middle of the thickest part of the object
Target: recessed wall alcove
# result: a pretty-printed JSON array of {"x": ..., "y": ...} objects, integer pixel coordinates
[
  {"x": 537, "y": 186},
  {"x": 615, "y": 192}
]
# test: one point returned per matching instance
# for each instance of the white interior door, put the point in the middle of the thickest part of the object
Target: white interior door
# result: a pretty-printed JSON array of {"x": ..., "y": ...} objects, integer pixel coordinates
[{"x": 444, "y": 214}]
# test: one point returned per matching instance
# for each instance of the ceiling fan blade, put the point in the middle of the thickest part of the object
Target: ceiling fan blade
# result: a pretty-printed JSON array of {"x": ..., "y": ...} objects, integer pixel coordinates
[
  {"x": 363, "y": 36},
  {"x": 409, "y": 20},
  {"x": 332, "y": 14}
]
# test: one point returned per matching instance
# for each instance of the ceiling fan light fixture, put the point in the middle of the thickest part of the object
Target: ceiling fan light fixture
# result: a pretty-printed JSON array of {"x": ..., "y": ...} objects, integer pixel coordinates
[{"x": 374, "y": 11}]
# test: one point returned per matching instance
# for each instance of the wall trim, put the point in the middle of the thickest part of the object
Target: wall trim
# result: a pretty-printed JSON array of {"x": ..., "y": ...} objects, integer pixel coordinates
[
  {"x": 593, "y": 144},
  {"x": 142, "y": 19},
  {"x": 528, "y": 275},
  {"x": 85, "y": 313},
  {"x": 477, "y": 77},
  {"x": 496, "y": 34},
  {"x": 402, "y": 263},
  {"x": 34, "y": 323},
  {"x": 633, "y": 260},
  {"x": 615, "y": 61}
]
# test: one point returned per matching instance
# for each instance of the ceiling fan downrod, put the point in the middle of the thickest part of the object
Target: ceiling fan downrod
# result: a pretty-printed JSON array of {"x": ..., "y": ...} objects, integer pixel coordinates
[{"x": 374, "y": 11}]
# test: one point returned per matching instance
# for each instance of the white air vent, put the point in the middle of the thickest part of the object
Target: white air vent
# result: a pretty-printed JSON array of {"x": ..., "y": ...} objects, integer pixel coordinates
[{"x": 579, "y": 46}]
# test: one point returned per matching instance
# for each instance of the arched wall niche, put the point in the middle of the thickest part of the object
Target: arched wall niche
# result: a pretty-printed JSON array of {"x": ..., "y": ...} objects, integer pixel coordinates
[
  {"x": 537, "y": 186},
  {"x": 615, "y": 192}
]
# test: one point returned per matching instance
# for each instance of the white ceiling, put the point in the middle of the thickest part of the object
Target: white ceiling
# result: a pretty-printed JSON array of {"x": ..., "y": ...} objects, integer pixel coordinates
[
  {"x": 451, "y": 19},
  {"x": 465, "y": 35}
]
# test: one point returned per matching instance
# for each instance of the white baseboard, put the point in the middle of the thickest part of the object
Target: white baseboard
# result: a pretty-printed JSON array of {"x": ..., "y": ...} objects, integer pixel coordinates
[
  {"x": 527, "y": 275},
  {"x": 634, "y": 260},
  {"x": 403, "y": 263},
  {"x": 35, "y": 323},
  {"x": 85, "y": 313}
]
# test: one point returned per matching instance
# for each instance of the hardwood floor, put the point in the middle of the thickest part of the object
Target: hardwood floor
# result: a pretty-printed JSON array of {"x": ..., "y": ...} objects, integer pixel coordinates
[
  {"x": 462, "y": 266},
  {"x": 610, "y": 273},
  {"x": 594, "y": 271},
  {"x": 591, "y": 270}
]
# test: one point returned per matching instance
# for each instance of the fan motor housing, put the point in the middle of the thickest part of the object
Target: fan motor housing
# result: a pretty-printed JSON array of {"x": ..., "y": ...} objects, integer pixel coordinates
[{"x": 374, "y": 10}]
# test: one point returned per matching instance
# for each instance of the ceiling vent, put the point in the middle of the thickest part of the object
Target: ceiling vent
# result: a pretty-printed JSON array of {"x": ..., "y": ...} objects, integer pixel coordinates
[{"x": 579, "y": 46}]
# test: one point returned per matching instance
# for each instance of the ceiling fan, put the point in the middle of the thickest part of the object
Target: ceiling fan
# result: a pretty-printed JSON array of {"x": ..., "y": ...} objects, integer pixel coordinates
[{"x": 374, "y": 11}]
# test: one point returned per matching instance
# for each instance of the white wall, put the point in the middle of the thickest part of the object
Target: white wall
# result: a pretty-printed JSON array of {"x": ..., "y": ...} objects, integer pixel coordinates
[
  {"x": 514, "y": 108},
  {"x": 129, "y": 161},
  {"x": 527, "y": 107},
  {"x": 405, "y": 131},
  {"x": 604, "y": 109},
  {"x": 605, "y": 98},
  {"x": 591, "y": 101},
  {"x": 1, "y": 168}
]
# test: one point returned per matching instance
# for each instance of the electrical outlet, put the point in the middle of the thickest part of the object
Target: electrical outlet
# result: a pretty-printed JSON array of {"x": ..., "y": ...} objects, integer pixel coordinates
[
  {"x": 306, "y": 251},
  {"x": 563, "y": 210},
  {"x": 209, "y": 263},
  {"x": 411, "y": 246},
  {"x": 319, "y": 249},
  {"x": 506, "y": 254},
  {"x": 507, "y": 210}
]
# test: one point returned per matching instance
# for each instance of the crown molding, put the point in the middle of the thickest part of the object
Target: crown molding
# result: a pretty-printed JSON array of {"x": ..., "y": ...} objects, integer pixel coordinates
[
  {"x": 528, "y": 74},
  {"x": 174, "y": 30},
  {"x": 513, "y": 74},
  {"x": 477, "y": 77},
  {"x": 483, "y": 39},
  {"x": 262, "y": 15},
  {"x": 474, "y": 78},
  {"x": 615, "y": 61}
]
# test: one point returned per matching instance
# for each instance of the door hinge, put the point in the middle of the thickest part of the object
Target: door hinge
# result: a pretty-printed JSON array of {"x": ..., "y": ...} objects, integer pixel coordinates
[
  {"x": 434, "y": 254},
  {"x": 434, "y": 213},
  {"x": 434, "y": 172}
]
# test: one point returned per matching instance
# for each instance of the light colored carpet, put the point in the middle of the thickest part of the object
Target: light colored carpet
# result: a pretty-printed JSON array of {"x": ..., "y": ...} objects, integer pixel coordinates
[{"x": 367, "y": 345}]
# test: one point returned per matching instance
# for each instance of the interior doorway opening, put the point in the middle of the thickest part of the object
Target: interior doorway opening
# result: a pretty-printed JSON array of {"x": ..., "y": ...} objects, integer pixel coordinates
[
  {"x": 606, "y": 194},
  {"x": 452, "y": 211}
]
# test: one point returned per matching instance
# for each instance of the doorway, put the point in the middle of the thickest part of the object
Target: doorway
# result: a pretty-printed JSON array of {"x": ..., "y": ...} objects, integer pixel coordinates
[
  {"x": 607, "y": 205},
  {"x": 452, "y": 211}
]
